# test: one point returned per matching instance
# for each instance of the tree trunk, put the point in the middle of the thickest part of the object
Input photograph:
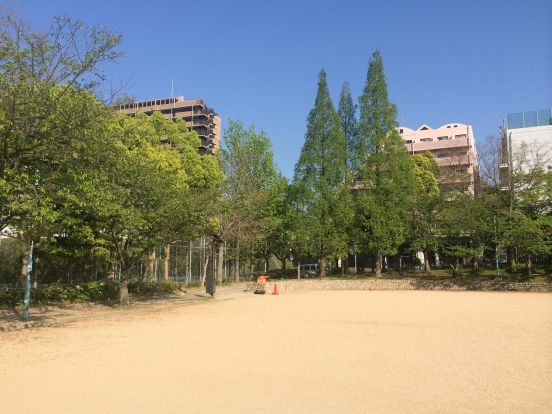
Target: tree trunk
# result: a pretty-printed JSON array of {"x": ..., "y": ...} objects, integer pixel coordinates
[
  {"x": 25, "y": 263},
  {"x": 377, "y": 257},
  {"x": 298, "y": 268},
  {"x": 512, "y": 259},
  {"x": 188, "y": 266},
  {"x": 220, "y": 262},
  {"x": 529, "y": 265},
  {"x": 166, "y": 262},
  {"x": 150, "y": 270},
  {"x": 284, "y": 263},
  {"x": 474, "y": 264},
  {"x": 123, "y": 290},
  {"x": 345, "y": 264},
  {"x": 455, "y": 267},
  {"x": 204, "y": 269},
  {"x": 427, "y": 265},
  {"x": 323, "y": 267},
  {"x": 237, "y": 268},
  {"x": 111, "y": 273}
]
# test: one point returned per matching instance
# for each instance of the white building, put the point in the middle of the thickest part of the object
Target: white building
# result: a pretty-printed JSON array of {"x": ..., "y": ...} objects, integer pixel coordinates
[{"x": 527, "y": 140}]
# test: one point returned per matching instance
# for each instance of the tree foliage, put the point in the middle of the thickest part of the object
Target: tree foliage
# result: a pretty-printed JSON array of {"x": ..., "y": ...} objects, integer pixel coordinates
[
  {"x": 320, "y": 182},
  {"x": 385, "y": 182},
  {"x": 253, "y": 191},
  {"x": 347, "y": 115}
]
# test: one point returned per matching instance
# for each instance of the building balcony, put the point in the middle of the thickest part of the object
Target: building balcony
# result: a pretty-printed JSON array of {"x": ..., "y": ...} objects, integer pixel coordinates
[
  {"x": 453, "y": 160},
  {"x": 437, "y": 145}
]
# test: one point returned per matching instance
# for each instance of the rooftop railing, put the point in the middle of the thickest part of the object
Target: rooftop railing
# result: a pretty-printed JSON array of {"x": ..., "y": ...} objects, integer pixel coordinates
[{"x": 529, "y": 119}]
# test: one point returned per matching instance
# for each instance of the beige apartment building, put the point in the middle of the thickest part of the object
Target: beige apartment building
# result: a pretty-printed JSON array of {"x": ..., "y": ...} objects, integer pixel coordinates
[
  {"x": 194, "y": 112},
  {"x": 453, "y": 146}
]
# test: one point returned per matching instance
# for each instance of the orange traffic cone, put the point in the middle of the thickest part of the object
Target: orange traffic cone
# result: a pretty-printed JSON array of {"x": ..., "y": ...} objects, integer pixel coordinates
[{"x": 275, "y": 289}]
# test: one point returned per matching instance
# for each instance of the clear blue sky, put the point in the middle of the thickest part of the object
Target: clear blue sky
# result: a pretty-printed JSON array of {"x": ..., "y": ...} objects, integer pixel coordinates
[{"x": 257, "y": 61}]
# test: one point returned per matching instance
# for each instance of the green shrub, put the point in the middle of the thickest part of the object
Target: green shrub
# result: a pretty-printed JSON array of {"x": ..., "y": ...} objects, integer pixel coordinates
[
  {"x": 144, "y": 288},
  {"x": 97, "y": 291}
]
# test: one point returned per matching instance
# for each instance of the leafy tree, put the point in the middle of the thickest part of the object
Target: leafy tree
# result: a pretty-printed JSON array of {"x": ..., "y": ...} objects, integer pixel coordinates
[
  {"x": 251, "y": 191},
  {"x": 298, "y": 226},
  {"x": 423, "y": 234},
  {"x": 519, "y": 197},
  {"x": 530, "y": 223},
  {"x": 191, "y": 215},
  {"x": 41, "y": 77},
  {"x": 320, "y": 182},
  {"x": 276, "y": 242},
  {"x": 386, "y": 181},
  {"x": 532, "y": 236},
  {"x": 464, "y": 223}
]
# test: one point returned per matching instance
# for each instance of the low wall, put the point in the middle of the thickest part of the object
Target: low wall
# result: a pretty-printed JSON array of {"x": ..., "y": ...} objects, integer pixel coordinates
[{"x": 404, "y": 284}]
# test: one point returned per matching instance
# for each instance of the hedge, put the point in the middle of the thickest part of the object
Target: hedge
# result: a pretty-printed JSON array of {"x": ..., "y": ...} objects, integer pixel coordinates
[{"x": 96, "y": 291}]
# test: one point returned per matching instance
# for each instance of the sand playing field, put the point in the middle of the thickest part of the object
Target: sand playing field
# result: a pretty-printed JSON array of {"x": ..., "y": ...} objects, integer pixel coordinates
[{"x": 306, "y": 352}]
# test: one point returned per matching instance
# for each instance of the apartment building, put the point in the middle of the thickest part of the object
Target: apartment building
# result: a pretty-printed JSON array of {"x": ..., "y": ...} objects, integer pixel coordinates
[
  {"x": 197, "y": 115},
  {"x": 453, "y": 146},
  {"x": 527, "y": 141}
]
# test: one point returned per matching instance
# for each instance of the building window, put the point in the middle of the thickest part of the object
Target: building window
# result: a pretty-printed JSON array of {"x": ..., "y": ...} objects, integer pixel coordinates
[
  {"x": 461, "y": 136},
  {"x": 441, "y": 154},
  {"x": 426, "y": 140},
  {"x": 443, "y": 138},
  {"x": 401, "y": 131},
  {"x": 409, "y": 141}
]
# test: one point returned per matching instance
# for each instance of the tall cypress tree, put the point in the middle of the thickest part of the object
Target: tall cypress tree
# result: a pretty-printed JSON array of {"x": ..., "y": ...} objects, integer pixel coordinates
[
  {"x": 322, "y": 196},
  {"x": 387, "y": 182},
  {"x": 346, "y": 111}
]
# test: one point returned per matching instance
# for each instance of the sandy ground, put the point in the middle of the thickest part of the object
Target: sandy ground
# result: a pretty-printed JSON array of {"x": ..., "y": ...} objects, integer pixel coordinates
[{"x": 305, "y": 352}]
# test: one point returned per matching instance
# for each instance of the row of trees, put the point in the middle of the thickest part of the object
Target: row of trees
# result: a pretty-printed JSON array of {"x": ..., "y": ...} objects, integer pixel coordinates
[
  {"x": 89, "y": 186},
  {"x": 79, "y": 181},
  {"x": 356, "y": 189}
]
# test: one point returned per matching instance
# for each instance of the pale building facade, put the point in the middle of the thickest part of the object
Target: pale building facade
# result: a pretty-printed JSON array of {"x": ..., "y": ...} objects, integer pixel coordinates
[
  {"x": 197, "y": 115},
  {"x": 527, "y": 141},
  {"x": 453, "y": 146}
]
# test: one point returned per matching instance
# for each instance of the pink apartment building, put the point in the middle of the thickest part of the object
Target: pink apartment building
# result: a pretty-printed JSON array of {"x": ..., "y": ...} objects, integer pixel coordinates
[{"x": 453, "y": 146}]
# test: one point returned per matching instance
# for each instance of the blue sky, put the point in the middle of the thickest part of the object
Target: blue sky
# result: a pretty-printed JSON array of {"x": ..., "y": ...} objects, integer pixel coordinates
[{"x": 258, "y": 61}]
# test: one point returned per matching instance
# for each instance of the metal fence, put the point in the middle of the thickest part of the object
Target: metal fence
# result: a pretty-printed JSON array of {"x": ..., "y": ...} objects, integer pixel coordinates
[{"x": 187, "y": 262}]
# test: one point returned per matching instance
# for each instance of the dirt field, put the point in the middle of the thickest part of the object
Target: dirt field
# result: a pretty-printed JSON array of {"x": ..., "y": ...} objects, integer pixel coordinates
[{"x": 305, "y": 352}]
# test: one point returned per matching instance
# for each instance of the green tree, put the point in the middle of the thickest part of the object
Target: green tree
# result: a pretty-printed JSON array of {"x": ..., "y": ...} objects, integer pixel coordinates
[
  {"x": 251, "y": 191},
  {"x": 530, "y": 227},
  {"x": 385, "y": 182},
  {"x": 43, "y": 77},
  {"x": 320, "y": 181},
  {"x": 520, "y": 196},
  {"x": 423, "y": 235},
  {"x": 346, "y": 111},
  {"x": 464, "y": 224},
  {"x": 532, "y": 236},
  {"x": 298, "y": 225}
]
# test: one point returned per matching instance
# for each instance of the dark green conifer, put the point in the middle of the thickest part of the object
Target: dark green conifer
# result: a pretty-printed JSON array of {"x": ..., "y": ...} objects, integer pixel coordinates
[
  {"x": 386, "y": 183},
  {"x": 346, "y": 111},
  {"x": 322, "y": 196}
]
